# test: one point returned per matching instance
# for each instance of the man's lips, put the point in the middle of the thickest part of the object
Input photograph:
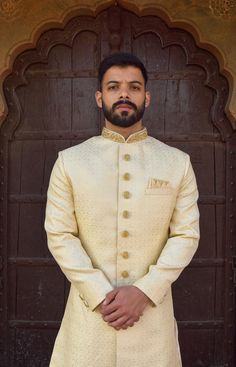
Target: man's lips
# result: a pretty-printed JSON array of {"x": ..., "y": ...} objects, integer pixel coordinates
[{"x": 124, "y": 107}]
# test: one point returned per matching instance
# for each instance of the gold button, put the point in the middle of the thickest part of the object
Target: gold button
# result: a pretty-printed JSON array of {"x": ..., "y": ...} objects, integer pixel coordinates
[
  {"x": 125, "y": 254},
  {"x": 124, "y": 234},
  {"x": 126, "y": 176},
  {"x": 125, "y": 274},
  {"x": 127, "y": 157},
  {"x": 126, "y": 194},
  {"x": 125, "y": 214}
]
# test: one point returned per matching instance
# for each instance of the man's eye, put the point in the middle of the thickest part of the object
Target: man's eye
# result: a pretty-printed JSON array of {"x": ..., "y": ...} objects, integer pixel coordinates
[
  {"x": 135, "y": 87},
  {"x": 113, "y": 87}
]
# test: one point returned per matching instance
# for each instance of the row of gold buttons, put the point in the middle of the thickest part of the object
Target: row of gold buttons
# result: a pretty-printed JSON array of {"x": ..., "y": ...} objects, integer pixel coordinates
[{"x": 125, "y": 214}]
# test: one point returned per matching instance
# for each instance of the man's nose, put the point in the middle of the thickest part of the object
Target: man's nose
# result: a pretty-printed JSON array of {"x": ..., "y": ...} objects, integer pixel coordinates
[{"x": 124, "y": 94}]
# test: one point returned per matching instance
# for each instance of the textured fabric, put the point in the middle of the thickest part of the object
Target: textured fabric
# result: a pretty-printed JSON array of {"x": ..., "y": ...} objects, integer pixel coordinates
[
  {"x": 120, "y": 214},
  {"x": 112, "y": 135}
]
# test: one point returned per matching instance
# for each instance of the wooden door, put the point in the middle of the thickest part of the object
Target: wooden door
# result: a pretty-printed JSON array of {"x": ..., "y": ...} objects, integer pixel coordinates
[{"x": 50, "y": 95}]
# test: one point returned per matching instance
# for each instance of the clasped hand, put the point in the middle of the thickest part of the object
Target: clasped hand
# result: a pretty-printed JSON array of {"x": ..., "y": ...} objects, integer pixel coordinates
[{"x": 123, "y": 306}]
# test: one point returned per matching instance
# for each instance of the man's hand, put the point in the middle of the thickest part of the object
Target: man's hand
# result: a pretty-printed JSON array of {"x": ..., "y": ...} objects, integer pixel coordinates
[{"x": 123, "y": 306}]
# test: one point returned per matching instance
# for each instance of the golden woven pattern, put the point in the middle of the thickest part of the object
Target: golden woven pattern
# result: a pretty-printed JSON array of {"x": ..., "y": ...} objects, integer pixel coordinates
[{"x": 118, "y": 138}]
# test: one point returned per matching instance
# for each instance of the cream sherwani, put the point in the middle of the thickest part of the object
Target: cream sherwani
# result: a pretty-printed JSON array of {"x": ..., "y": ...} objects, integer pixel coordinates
[{"x": 120, "y": 212}]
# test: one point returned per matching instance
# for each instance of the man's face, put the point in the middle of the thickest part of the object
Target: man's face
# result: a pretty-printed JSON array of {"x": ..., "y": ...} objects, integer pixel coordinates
[{"x": 123, "y": 97}]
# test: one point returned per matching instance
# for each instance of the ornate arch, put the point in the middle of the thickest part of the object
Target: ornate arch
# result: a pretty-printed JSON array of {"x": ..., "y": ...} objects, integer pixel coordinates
[
  {"x": 168, "y": 35},
  {"x": 61, "y": 19}
]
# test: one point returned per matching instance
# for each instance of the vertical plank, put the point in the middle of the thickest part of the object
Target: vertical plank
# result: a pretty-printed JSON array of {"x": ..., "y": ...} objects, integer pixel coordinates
[{"x": 156, "y": 64}]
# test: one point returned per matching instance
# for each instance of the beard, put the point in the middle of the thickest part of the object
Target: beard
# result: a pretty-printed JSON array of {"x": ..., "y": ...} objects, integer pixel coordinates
[{"x": 123, "y": 119}]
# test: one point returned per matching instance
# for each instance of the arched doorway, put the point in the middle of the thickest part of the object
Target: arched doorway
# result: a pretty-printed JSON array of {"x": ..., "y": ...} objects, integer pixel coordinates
[{"x": 51, "y": 106}]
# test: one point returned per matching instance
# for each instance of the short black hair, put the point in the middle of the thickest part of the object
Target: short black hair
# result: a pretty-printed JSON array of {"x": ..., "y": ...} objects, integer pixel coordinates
[{"x": 121, "y": 59}]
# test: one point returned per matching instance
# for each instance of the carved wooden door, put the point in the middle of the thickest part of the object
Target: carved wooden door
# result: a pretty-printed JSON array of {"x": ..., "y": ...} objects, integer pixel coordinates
[{"x": 51, "y": 107}]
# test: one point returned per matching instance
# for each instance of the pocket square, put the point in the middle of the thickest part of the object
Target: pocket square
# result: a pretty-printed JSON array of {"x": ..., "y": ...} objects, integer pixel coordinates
[{"x": 154, "y": 183}]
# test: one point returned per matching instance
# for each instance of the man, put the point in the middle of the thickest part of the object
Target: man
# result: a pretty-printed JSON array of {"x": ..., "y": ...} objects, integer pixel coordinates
[{"x": 122, "y": 223}]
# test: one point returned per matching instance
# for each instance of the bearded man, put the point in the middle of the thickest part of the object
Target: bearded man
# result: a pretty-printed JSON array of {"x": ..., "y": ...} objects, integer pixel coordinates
[{"x": 122, "y": 223}]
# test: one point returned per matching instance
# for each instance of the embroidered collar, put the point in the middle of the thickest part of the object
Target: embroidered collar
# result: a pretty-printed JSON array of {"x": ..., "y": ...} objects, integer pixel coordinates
[{"x": 118, "y": 138}]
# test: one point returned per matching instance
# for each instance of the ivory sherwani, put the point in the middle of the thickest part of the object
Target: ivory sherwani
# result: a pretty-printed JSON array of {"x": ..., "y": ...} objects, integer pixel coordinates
[{"x": 120, "y": 212}]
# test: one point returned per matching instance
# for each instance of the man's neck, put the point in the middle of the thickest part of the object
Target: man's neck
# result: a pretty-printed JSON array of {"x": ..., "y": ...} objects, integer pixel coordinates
[{"x": 125, "y": 131}]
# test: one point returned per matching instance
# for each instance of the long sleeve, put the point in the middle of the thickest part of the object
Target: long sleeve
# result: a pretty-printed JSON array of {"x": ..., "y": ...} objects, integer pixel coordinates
[
  {"x": 181, "y": 244},
  {"x": 64, "y": 243}
]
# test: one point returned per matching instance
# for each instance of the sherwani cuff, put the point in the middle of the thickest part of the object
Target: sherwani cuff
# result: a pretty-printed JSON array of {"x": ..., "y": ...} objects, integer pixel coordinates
[
  {"x": 156, "y": 293},
  {"x": 92, "y": 295}
]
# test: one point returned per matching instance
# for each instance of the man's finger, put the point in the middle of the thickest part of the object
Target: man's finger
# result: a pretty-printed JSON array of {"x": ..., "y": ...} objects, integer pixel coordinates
[
  {"x": 113, "y": 316},
  {"x": 129, "y": 323},
  {"x": 107, "y": 310},
  {"x": 110, "y": 296},
  {"x": 119, "y": 322}
]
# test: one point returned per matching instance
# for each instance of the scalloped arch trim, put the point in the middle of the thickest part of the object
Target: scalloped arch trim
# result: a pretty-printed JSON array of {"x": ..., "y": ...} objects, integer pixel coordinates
[{"x": 144, "y": 8}]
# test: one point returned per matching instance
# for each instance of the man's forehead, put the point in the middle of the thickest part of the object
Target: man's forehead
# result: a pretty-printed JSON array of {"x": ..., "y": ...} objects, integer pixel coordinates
[{"x": 123, "y": 74}]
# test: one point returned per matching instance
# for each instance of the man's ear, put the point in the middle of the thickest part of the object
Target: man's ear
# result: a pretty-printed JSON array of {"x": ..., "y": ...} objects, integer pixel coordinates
[
  {"x": 147, "y": 99},
  {"x": 98, "y": 97}
]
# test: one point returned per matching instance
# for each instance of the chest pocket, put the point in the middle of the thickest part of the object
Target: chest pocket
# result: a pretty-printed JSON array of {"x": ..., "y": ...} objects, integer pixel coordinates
[
  {"x": 159, "y": 202},
  {"x": 159, "y": 191}
]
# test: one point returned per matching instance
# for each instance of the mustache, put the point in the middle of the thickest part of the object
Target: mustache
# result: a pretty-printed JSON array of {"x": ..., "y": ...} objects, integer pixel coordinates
[{"x": 125, "y": 102}]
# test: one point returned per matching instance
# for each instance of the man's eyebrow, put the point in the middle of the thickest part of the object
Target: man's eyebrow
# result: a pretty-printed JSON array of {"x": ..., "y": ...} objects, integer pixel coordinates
[
  {"x": 112, "y": 81},
  {"x": 136, "y": 82},
  {"x": 131, "y": 82}
]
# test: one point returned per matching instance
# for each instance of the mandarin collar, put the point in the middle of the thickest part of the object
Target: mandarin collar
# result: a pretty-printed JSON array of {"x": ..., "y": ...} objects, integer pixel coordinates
[{"x": 118, "y": 138}]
